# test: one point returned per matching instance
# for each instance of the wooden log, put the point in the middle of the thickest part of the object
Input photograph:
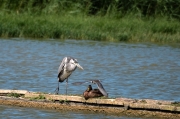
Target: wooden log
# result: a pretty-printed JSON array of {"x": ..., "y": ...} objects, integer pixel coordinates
[
  {"x": 97, "y": 109},
  {"x": 134, "y": 104}
]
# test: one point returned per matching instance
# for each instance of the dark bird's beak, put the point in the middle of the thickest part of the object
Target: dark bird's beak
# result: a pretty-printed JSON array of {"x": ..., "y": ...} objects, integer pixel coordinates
[{"x": 79, "y": 66}]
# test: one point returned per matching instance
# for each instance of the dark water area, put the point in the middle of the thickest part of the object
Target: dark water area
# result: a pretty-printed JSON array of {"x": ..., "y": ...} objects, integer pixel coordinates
[{"x": 131, "y": 70}]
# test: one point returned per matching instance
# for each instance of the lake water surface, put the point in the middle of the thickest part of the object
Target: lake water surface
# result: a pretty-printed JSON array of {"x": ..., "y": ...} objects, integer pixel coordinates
[{"x": 131, "y": 70}]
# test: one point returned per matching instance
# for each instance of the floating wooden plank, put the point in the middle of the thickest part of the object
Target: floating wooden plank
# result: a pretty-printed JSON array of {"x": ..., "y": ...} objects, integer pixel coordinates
[
  {"x": 74, "y": 98},
  {"x": 101, "y": 103}
]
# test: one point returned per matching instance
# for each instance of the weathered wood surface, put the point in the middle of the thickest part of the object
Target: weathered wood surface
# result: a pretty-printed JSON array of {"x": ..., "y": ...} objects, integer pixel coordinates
[
  {"x": 5, "y": 91},
  {"x": 126, "y": 103}
]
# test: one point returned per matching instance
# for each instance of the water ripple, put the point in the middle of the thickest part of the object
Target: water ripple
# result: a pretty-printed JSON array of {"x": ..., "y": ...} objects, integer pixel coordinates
[{"x": 126, "y": 70}]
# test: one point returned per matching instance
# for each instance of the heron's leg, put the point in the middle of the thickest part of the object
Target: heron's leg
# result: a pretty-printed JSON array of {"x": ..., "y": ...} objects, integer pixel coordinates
[
  {"x": 66, "y": 85},
  {"x": 57, "y": 89}
]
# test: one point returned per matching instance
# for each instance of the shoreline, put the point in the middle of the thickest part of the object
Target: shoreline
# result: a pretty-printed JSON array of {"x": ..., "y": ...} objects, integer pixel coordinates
[{"x": 126, "y": 29}]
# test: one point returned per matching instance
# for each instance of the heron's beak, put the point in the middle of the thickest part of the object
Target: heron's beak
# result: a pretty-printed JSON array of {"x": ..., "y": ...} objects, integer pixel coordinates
[{"x": 79, "y": 66}]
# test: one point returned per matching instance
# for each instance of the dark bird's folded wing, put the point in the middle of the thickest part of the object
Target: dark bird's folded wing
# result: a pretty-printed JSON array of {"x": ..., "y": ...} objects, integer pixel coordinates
[{"x": 101, "y": 88}]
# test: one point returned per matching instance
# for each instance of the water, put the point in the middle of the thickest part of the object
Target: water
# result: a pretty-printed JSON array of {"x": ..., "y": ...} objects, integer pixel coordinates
[
  {"x": 9, "y": 112},
  {"x": 138, "y": 71}
]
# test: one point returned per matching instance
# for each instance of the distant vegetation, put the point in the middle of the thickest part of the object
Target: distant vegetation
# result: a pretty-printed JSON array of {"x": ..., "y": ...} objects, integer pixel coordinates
[
  {"x": 116, "y": 8},
  {"x": 110, "y": 20}
]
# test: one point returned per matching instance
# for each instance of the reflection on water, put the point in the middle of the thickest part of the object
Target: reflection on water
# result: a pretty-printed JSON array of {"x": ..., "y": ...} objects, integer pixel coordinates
[
  {"x": 10, "y": 112},
  {"x": 126, "y": 70}
]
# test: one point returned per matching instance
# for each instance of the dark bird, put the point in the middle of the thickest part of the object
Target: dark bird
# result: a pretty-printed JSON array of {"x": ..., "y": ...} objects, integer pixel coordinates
[
  {"x": 67, "y": 66},
  {"x": 98, "y": 83},
  {"x": 92, "y": 93}
]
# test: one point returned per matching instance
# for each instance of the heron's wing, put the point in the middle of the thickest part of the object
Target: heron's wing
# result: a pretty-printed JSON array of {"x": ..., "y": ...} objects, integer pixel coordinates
[
  {"x": 101, "y": 88},
  {"x": 61, "y": 66},
  {"x": 79, "y": 83}
]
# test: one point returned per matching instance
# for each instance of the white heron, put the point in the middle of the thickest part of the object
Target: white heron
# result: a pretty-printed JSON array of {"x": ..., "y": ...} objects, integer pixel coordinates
[{"x": 67, "y": 66}]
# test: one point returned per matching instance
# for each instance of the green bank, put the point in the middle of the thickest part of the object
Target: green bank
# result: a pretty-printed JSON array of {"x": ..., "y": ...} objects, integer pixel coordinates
[{"x": 138, "y": 22}]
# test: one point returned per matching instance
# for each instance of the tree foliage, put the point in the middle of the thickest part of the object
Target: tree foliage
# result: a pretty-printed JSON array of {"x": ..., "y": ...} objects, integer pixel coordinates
[{"x": 145, "y": 8}]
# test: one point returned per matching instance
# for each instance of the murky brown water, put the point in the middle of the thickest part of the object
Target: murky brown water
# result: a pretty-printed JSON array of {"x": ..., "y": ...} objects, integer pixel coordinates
[{"x": 126, "y": 70}]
